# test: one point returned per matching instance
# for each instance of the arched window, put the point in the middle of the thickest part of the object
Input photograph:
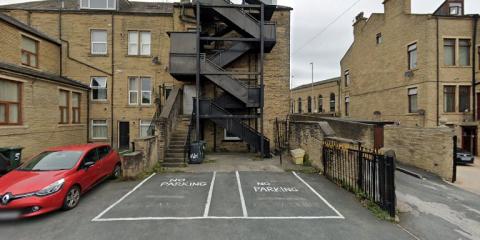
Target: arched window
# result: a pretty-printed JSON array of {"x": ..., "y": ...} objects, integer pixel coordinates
[
  {"x": 309, "y": 104},
  {"x": 320, "y": 103},
  {"x": 332, "y": 102},
  {"x": 299, "y": 105}
]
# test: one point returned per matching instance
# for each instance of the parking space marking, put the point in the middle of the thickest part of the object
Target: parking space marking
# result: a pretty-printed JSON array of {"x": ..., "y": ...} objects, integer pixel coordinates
[
  {"x": 242, "y": 199},
  {"x": 318, "y": 195},
  {"x": 209, "y": 198},
  {"x": 122, "y": 198}
]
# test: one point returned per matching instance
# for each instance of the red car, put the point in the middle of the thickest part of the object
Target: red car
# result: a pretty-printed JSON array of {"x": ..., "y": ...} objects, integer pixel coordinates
[{"x": 55, "y": 179}]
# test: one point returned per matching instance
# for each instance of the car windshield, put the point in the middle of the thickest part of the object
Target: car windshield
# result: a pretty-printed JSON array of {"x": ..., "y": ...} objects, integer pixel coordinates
[{"x": 52, "y": 161}]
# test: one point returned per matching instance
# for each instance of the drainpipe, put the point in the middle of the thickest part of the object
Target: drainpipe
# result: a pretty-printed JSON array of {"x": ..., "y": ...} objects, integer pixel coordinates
[
  {"x": 113, "y": 77},
  {"x": 88, "y": 115},
  {"x": 474, "y": 63},
  {"x": 438, "y": 75}
]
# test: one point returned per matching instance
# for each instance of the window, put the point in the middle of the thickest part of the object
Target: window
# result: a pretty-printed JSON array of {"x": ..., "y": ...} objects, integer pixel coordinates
[
  {"x": 347, "y": 106},
  {"x": 449, "y": 99},
  {"x": 309, "y": 104},
  {"x": 76, "y": 107},
  {"x": 10, "y": 102},
  {"x": 320, "y": 103},
  {"x": 347, "y": 78},
  {"x": 379, "y": 38},
  {"x": 99, "y": 88},
  {"x": 99, "y": 129},
  {"x": 412, "y": 100},
  {"x": 29, "y": 52},
  {"x": 332, "y": 102},
  {"x": 98, "y": 4},
  {"x": 145, "y": 130},
  {"x": 449, "y": 51},
  {"x": 455, "y": 9},
  {"x": 139, "y": 43},
  {"x": 103, "y": 151},
  {"x": 98, "y": 42},
  {"x": 139, "y": 87},
  {"x": 228, "y": 136},
  {"x": 464, "y": 101},
  {"x": 299, "y": 105},
  {"x": 464, "y": 52},
  {"x": 64, "y": 107},
  {"x": 412, "y": 56}
]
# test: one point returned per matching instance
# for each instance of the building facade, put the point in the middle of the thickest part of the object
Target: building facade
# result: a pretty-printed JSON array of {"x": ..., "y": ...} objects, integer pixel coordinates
[
  {"x": 415, "y": 69},
  {"x": 38, "y": 107},
  {"x": 320, "y": 97},
  {"x": 122, "y": 50}
]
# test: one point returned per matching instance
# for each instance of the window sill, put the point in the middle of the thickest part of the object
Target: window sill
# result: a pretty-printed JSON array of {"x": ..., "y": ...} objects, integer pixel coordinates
[
  {"x": 14, "y": 126},
  {"x": 139, "y": 56},
  {"x": 99, "y": 101},
  {"x": 231, "y": 141},
  {"x": 71, "y": 125},
  {"x": 97, "y": 55},
  {"x": 413, "y": 114},
  {"x": 461, "y": 67},
  {"x": 98, "y": 139},
  {"x": 456, "y": 113},
  {"x": 139, "y": 106}
]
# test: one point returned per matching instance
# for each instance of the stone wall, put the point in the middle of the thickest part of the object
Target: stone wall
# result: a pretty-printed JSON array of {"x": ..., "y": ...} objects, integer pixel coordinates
[{"x": 430, "y": 149}]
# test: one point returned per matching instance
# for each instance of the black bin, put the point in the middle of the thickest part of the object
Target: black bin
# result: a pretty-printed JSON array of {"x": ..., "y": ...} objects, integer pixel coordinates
[
  {"x": 10, "y": 158},
  {"x": 197, "y": 152}
]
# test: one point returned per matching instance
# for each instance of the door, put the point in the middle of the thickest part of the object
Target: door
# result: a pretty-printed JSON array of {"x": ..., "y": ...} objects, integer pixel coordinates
[
  {"x": 124, "y": 135},
  {"x": 189, "y": 92},
  {"x": 469, "y": 139},
  {"x": 89, "y": 175},
  {"x": 105, "y": 160}
]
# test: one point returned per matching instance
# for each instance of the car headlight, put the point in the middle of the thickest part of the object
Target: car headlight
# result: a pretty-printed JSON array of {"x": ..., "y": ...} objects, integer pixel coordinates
[{"x": 52, "y": 188}]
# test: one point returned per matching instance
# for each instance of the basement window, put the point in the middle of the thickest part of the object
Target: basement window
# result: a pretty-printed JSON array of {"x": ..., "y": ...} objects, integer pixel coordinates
[
  {"x": 98, "y": 4},
  {"x": 228, "y": 136}
]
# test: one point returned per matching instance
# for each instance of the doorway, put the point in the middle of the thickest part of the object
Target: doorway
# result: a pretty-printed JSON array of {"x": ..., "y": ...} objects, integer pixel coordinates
[
  {"x": 189, "y": 92},
  {"x": 469, "y": 139},
  {"x": 123, "y": 135}
]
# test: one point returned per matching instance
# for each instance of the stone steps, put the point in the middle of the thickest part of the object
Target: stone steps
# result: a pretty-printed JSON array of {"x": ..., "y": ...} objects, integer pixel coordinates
[{"x": 175, "y": 152}]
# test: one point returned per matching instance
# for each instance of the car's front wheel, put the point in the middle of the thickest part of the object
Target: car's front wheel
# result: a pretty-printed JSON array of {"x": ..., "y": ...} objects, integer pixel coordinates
[{"x": 72, "y": 198}]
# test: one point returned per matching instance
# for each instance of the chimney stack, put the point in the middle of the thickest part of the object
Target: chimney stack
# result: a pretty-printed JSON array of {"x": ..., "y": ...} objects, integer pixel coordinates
[{"x": 360, "y": 22}]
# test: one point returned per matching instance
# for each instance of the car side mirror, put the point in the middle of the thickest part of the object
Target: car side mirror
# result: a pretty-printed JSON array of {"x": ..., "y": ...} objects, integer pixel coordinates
[{"x": 87, "y": 165}]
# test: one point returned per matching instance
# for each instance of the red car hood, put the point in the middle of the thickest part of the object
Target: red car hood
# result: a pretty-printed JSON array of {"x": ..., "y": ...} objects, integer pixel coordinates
[{"x": 20, "y": 182}]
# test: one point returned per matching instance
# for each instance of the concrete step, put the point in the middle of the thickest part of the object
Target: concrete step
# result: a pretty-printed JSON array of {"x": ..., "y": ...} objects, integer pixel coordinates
[
  {"x": 173, "y": 165},
  {"x": 174, "y": 155},
  {"x": 174, "y": 160}
]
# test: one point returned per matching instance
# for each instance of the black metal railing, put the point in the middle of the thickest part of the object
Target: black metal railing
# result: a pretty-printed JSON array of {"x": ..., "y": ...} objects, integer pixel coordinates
[
  {"x": 363, "y": 171},
  {"x": 281, "y": 137}
]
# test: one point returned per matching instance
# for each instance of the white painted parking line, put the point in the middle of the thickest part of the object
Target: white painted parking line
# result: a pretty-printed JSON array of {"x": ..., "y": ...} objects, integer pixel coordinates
[
  {"x": 122, "y": 198},
  {"x": 320, "y": 196},
  {"x": 242, "y": 199},
  {"x": 209, "y": 198},
  {"x": 214, "y": 218}
]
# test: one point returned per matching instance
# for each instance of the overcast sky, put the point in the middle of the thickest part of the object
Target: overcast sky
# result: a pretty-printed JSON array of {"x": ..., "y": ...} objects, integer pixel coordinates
[{"x": 315, "y": 39}]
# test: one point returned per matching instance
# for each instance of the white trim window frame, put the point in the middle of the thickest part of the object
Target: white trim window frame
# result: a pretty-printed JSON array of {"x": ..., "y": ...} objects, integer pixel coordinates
[
  {"x": 139, "y": 43},
  {"x": 229, "y": 138},
  {"x": 144, "y": 127},
  {"x": 133, "y": 91},
  {"x": 99, "y": 42},
  {"x": 98, "y": 124},
  {"x": 146, "y": 91},
  {"x": 140, "y": 91},
  {"x": 99, "y": 86},
  {"x": 109, "y": 4}
]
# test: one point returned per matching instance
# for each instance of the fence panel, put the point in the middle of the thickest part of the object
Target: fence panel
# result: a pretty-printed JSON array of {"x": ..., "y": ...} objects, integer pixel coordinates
[{"x": 361, "y": 170}]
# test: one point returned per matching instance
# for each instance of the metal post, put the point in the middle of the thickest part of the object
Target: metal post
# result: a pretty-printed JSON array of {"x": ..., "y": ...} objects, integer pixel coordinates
[
  {"x": 197, "y": 80},
  {"x": 454, "y": 174},
  {"x": 262, "y": 87},
  {"x": 360, "y": 167}
]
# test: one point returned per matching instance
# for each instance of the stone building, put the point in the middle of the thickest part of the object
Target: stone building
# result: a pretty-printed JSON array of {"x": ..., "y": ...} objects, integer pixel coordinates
[
  {"x": 122, "y": 50},
  {"x": 319, "y": 97},
  {"x": 38, "y": 107},
  {"x": 415, "y": 69}
]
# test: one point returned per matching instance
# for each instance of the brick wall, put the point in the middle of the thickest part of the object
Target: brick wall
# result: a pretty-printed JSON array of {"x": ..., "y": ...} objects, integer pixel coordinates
[{"x": 430, "y": 149}]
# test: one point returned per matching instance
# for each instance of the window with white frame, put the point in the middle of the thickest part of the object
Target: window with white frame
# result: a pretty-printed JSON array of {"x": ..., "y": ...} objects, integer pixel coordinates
[
  {"x": 99, "y": 129},
  {"x": 455, "y": 9},
  {"x": 228, "y": 136},
  {"x": 412, "y": 56},
  {"x": 99, "y": 88},
  {"x": 139, "y": 90},
  {"x": 99, "y": 42},
  {"x": 145, "y": 130},
  {"x": 139, "y": 43},
  {"x": 98, "y": 4},
  {"x": 412, "y": 100}
]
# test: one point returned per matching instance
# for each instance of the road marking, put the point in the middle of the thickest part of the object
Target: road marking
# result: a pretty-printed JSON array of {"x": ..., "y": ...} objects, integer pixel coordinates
[
  {"x": 214, "y": 218},
  {"x": 244, "y": 208},
  {"x": 122, "y": 198},
  {"x": 209, "y": 198},
  {"x": 320, "y": 196}
]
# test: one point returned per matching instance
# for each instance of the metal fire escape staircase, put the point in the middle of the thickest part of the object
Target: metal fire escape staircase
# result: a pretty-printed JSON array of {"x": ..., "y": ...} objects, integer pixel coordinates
[{"x": 237, "y": 95}]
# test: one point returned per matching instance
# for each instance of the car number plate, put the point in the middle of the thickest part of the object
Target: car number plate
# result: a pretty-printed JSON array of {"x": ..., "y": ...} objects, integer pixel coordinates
[{"x": 9, "y": 215}]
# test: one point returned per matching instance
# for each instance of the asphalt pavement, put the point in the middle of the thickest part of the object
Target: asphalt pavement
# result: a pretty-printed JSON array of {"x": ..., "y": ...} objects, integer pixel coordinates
[{"x": 234, "y": 205}]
